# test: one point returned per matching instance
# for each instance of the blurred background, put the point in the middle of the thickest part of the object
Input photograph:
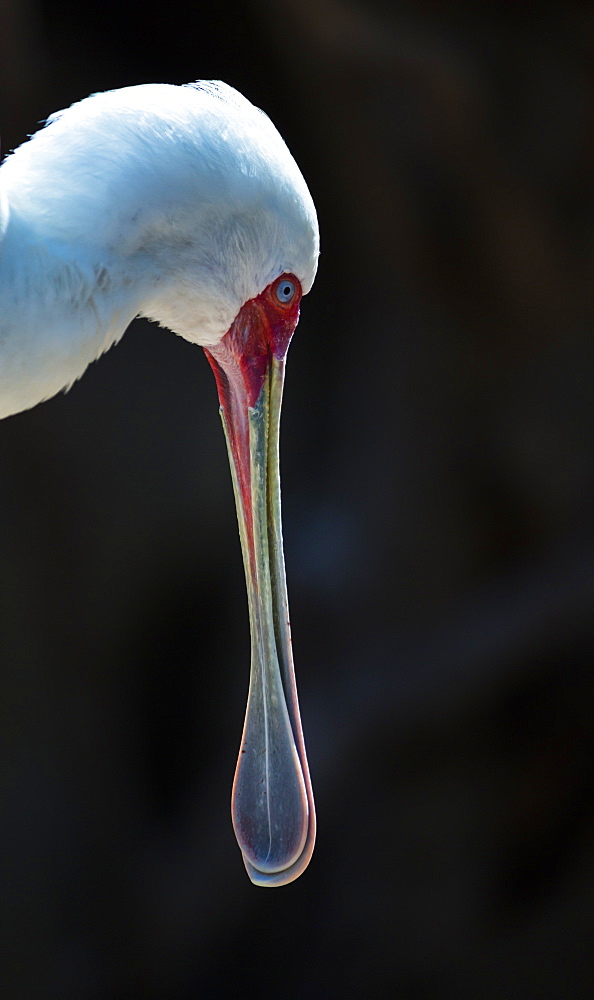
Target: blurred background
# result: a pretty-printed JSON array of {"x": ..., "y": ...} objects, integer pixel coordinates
[{"x": 438, "y": 492}]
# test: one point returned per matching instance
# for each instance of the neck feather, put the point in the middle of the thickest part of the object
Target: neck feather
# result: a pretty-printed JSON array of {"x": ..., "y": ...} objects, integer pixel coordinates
[{"x": 59, "y": 310}]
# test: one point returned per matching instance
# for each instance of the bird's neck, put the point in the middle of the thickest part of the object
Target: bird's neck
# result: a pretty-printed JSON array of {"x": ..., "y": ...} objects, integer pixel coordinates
[{"x": 60, "y": 308}]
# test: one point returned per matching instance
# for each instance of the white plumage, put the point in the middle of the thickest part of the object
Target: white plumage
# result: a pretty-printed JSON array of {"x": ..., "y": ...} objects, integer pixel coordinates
[
  {"x": 183, "y": 205},
  {"x": 174, "y": 203}
]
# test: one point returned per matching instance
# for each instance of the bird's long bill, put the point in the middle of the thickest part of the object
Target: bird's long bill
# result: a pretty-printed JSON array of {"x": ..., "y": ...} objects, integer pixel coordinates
[{"x": 272, "y": 803}]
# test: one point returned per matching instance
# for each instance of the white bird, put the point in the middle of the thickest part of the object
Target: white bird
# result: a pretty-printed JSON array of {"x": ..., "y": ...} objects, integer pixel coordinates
[{"x": 183, "y": 205}]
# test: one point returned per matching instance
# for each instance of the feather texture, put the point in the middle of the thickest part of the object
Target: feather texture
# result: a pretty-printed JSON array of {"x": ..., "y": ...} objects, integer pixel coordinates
[{"x": 174, "y": 203}]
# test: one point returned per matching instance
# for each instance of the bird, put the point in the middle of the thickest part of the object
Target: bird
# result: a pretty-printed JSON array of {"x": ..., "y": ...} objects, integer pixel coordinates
[{"x": 183, "y": 205}]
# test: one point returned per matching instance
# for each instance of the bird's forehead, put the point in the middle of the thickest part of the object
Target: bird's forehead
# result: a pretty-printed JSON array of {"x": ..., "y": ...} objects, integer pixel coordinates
[{"x": 169, "y": 156}]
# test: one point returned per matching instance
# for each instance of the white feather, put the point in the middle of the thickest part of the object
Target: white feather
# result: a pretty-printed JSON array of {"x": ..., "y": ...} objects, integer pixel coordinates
[{"x": 174, "y": 203}]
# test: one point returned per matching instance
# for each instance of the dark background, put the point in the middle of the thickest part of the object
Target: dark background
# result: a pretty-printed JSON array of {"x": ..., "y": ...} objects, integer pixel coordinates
[{"x": 438, "y": 492}]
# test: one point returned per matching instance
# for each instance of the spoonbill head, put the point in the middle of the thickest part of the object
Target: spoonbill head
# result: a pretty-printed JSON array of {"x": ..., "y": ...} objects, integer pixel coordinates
[{"x": 183, "y": 205}]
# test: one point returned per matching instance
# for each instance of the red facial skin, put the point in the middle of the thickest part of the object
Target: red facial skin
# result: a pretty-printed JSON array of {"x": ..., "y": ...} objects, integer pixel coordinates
[{"x": 261, "y": 330}]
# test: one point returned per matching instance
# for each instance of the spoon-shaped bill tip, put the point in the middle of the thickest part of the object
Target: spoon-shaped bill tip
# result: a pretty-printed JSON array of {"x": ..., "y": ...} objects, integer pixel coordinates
[{"x": 272, "y": 803}]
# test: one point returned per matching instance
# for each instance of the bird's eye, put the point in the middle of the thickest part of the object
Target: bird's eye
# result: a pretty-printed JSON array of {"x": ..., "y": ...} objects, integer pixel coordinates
[{"x": 285, "y": 291}]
